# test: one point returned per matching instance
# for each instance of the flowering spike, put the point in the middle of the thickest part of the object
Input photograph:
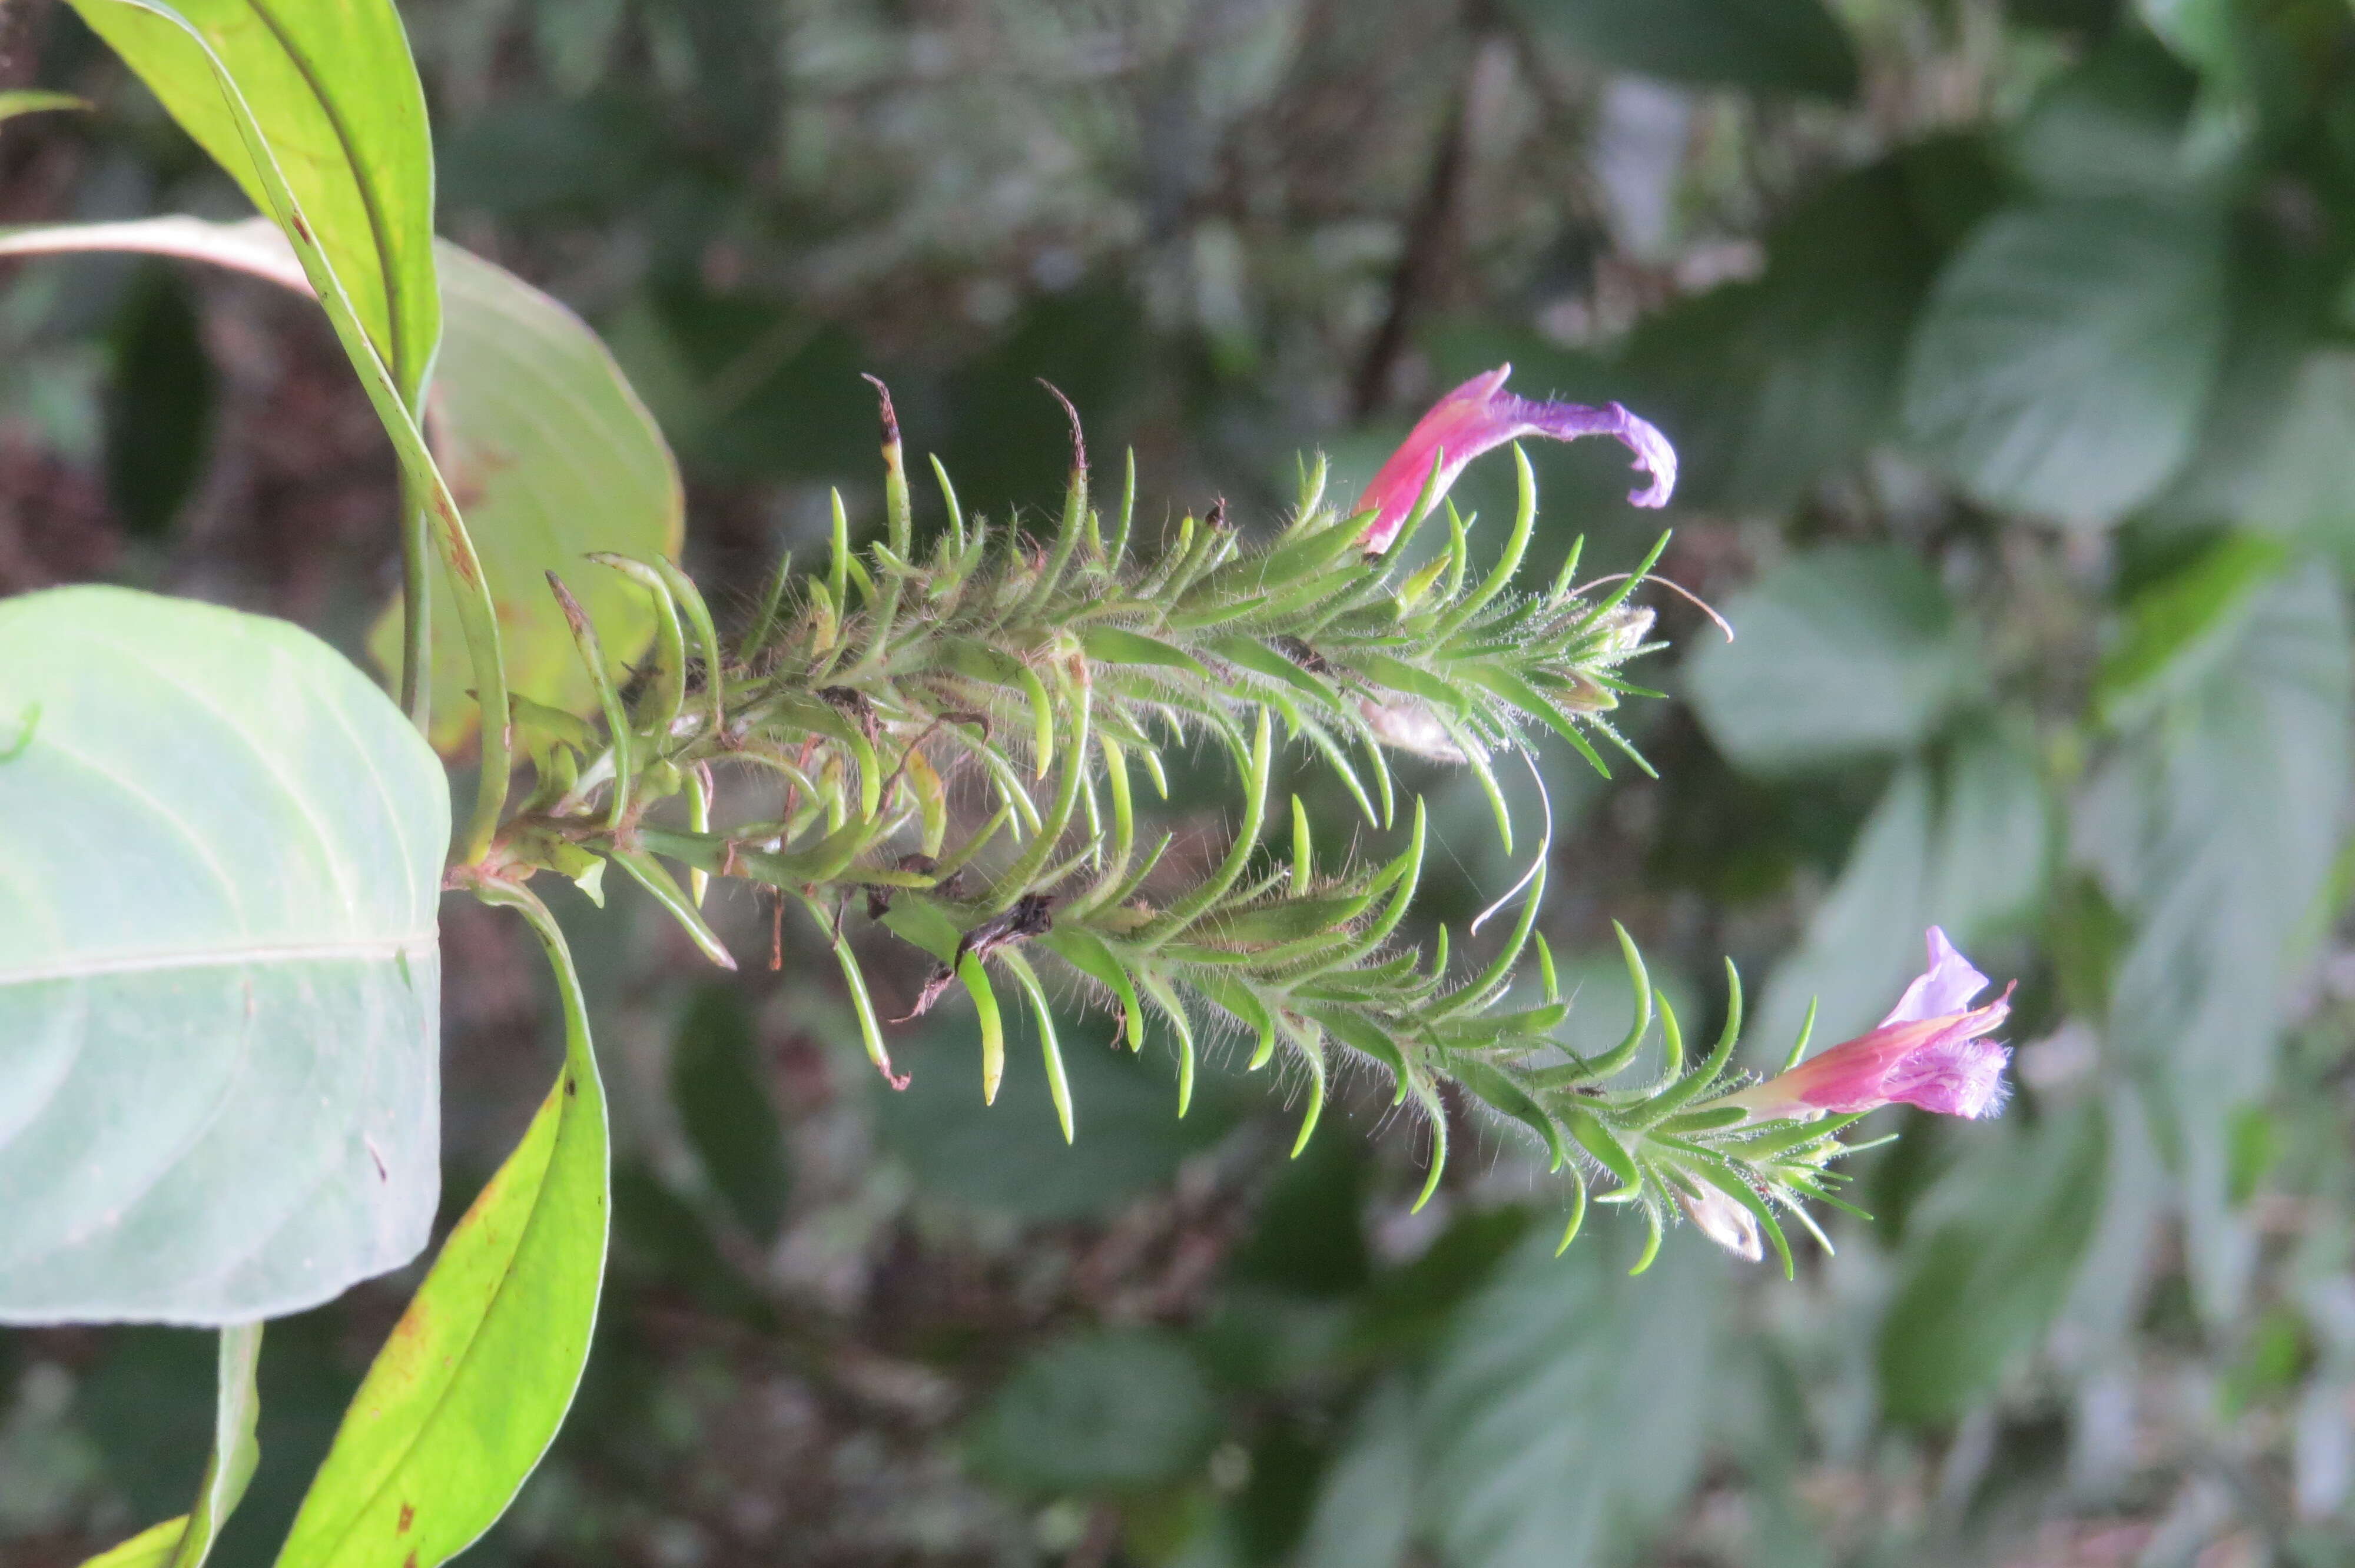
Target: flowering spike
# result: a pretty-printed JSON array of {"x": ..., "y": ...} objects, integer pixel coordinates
[{"x": 1481, "y": 415}]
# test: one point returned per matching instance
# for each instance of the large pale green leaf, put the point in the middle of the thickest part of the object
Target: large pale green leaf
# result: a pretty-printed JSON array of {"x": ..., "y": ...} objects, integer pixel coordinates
[
  {"x": 468, "y": 1391},
  {"x": 333, "y": 90},
  {"x": 1842, "y": 651},
  {"x": 2216, "y": 828},
  {"x": 549, "y": 450},
  {"x": 1989, "y": 1261},
  {"x": 219, "y": 976},
  {"x": 2067, "y": 357},
  {"x": 1565, "y": 1411},
  {"x": 1768, "y": 45}
]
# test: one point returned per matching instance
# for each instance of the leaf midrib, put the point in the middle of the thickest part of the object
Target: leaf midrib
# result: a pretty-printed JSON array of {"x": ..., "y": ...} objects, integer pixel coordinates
[{"x": 165, "y": 959}]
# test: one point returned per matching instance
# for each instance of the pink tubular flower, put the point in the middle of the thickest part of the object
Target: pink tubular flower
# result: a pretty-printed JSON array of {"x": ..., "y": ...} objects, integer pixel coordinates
[
  {"x": 1929, "y": 1052},
  {"x": 1480, "y": 414}
]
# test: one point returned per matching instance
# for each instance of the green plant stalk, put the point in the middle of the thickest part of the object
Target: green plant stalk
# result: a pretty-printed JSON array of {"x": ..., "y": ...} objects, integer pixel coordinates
[{"x": 477, "y": 616}]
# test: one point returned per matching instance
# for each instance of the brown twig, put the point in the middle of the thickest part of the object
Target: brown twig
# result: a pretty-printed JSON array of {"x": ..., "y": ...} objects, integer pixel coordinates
[{"x": 1431, "y": 231}]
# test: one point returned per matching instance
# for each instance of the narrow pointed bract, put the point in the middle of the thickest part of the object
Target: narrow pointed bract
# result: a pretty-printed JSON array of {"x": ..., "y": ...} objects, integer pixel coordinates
[{"x": 1481, "y": 415}]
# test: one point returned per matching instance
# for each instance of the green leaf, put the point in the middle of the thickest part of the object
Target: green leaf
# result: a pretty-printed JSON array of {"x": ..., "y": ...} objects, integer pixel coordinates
[
  {"x": 1364, "y": 1514},
  {"x": 2304, "y": 491},
  {"x": 2206, "y": 33},
  {"x": 469, "y": 1389},
  {"x": 2215, "y": 829},
  {"x": 2066, "y": 356},
  {"x": 1765, "y": 45},
  {"x": 333, "y": 91},
  {"x": 223, "y": 847},
  {"x": 2177, "y": 627},
  {"x": 724, "y": 1107},
  {"x": 2112, "y": 126},
  {"x": 1768, "y": 384},
  {"x": 1116, "y": 1410},
  {"x": 1959, "y": 840},
  {"x": 548, "y": 448},
  {"x": 553, "y": 456},
  {"x": 1565, "y": 1411},
  {"x": 1843, "y": 651},
  {"x": 1988, "y": 1261},
  {"x": 150, "y": 1547}
]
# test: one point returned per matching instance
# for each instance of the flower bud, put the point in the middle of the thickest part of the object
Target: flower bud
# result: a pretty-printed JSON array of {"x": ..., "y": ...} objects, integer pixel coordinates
[
  {"x": 1724, "y": 1221},
  {"x": 1929, "y": 1052}
]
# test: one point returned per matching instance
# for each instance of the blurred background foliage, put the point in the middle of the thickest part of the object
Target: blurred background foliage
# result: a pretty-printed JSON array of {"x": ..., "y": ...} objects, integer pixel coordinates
[{"x": 2010, "y": 350}]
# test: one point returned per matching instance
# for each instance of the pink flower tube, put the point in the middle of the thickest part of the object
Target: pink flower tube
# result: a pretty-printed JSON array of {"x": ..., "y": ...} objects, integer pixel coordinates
[
  {"x": 1929, "y": 1052},
  {"x": 1481, "y": 415}
]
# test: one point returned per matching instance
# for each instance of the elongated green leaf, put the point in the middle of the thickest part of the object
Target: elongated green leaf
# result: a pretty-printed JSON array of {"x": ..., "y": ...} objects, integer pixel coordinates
[
  {"x": 467, "y": 1393},
  {"x": 150, "y": 1547},
  {"x": 219, "y": 976},
  {"x": 549, "y": 450},
  {"x": 2067, "y": 353},
  {"x": 1114, "y": 646},
  {"x": 333, "y": 91}
]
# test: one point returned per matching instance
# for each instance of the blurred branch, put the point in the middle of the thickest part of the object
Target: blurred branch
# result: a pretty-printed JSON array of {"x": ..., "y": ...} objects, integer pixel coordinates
[{"x": 1430, "y": 231}]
